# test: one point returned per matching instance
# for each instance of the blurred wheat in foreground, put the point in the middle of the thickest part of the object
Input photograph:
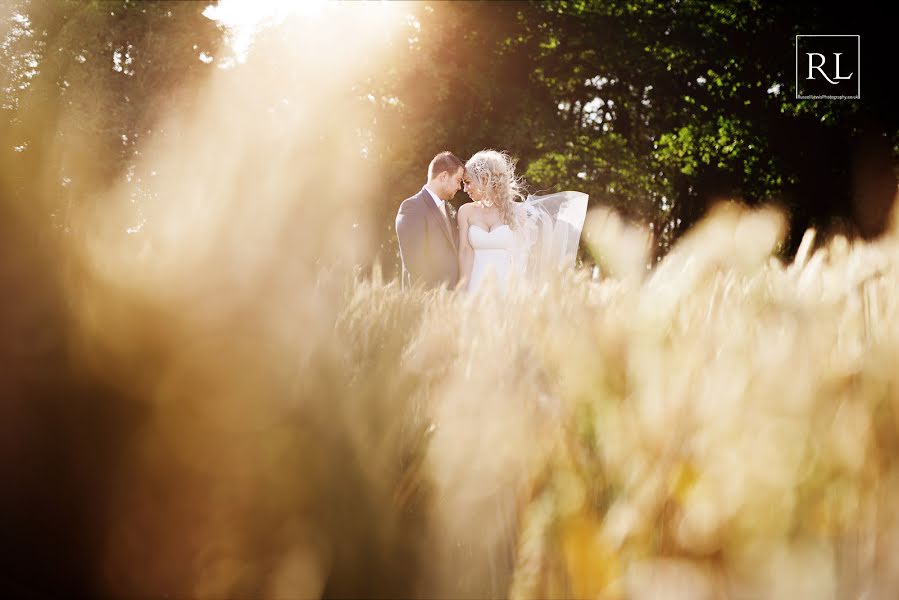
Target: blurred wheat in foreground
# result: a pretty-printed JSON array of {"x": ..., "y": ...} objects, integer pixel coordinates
[{"x": 724, "y": 426}]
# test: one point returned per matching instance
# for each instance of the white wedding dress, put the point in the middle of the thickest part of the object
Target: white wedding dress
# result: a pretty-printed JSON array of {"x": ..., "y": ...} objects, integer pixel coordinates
[
  {"x": 493, "y": 255},
  {"x": 545, "y": 238}
]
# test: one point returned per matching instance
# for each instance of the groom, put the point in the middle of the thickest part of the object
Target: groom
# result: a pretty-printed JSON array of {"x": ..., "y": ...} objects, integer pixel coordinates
[{"x": 426, "y": 227}]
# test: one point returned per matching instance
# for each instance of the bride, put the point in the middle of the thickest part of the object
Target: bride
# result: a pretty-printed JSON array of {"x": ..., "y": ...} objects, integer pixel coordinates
[{"x": 502, "y": 235}]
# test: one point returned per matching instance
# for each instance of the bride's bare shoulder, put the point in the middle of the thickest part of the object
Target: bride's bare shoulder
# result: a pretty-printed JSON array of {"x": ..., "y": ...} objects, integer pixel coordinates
[{"x": 469, "y": 208}]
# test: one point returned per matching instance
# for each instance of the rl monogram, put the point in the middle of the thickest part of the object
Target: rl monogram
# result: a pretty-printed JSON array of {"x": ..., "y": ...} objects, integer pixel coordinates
[
  {"x": 828, "y": 66},
  {"x": 819, "y": 67}
]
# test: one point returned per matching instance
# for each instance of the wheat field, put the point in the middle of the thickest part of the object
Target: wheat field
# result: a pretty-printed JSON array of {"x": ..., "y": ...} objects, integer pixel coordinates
[{"x": 723, "y": 425}]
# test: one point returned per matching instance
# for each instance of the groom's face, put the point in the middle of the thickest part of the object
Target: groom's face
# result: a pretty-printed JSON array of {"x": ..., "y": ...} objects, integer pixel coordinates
[{"x": 450, "y": 183}]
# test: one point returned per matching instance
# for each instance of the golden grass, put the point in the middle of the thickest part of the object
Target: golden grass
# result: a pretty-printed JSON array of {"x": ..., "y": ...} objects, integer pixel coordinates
[{"x": 724, "y": 426}]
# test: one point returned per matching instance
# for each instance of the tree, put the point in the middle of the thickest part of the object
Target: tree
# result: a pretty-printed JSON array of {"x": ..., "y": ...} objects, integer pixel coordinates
[
  {"x": 87, "y": 82},
  {"x": 655, "y": 109}
]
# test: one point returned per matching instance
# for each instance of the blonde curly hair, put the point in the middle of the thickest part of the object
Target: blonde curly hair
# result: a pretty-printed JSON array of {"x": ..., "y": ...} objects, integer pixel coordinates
[{"x": 495, "y": 173}]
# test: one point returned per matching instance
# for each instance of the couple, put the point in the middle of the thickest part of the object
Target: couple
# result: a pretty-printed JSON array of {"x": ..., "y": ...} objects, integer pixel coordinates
[{"x": 498, "y": 235}]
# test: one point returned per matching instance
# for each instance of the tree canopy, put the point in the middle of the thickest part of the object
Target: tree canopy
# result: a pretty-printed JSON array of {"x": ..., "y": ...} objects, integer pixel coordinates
[{"x": 656, "y": 109}]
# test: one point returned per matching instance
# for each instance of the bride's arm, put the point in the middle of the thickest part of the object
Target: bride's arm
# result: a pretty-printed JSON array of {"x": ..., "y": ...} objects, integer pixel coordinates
[{"x": 466, "y": 252}]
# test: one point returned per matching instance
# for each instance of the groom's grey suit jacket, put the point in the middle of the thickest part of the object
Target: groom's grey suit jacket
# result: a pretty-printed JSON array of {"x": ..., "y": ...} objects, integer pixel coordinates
[{"x": 428, "y": 244}]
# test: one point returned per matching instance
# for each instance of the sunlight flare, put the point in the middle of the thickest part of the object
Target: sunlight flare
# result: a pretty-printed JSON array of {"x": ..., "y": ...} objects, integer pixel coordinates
[{"x": 244, "y": 20}]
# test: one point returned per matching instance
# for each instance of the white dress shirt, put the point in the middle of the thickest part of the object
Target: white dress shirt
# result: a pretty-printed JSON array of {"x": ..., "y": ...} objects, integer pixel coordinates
[{"x": 441, "y": 205}]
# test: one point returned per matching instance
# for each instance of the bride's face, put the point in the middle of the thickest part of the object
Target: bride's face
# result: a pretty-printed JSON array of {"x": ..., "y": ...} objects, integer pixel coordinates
[{"x": 473, "y": 188}]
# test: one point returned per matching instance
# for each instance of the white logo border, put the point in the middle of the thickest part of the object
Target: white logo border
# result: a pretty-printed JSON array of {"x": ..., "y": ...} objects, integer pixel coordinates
[{"x": 858, "y": 67}]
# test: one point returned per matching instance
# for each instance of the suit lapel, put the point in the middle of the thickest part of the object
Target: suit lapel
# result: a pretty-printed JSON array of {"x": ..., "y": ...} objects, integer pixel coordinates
[{"x": 435, "y": 213}]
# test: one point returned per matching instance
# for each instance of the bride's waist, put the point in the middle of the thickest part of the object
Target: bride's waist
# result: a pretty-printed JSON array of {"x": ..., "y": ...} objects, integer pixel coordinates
[{"x": 492, "y": 251}]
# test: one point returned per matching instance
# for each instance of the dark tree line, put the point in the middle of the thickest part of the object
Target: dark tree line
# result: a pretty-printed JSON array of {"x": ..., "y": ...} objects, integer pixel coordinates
[{"x": 654, "y": 108}]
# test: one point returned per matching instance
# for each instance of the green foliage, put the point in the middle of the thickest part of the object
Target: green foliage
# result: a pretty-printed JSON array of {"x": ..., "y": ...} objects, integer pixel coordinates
[
  {"x": 90, "y": 81},
  {"x": 651, "y": 107}
]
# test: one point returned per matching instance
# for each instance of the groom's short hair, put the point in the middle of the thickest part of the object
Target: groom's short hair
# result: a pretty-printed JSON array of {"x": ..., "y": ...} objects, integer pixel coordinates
[{"x": 445, "y": 161}]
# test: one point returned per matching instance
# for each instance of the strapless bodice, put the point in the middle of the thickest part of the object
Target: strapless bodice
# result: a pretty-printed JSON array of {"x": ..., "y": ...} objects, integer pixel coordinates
[
  {"x": 492, "y": 254},
  {"x": 498, "y": 238}
]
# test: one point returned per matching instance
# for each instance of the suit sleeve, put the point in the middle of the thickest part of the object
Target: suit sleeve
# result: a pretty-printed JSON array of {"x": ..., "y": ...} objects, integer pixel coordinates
[{"x": 410, "y": 232}]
